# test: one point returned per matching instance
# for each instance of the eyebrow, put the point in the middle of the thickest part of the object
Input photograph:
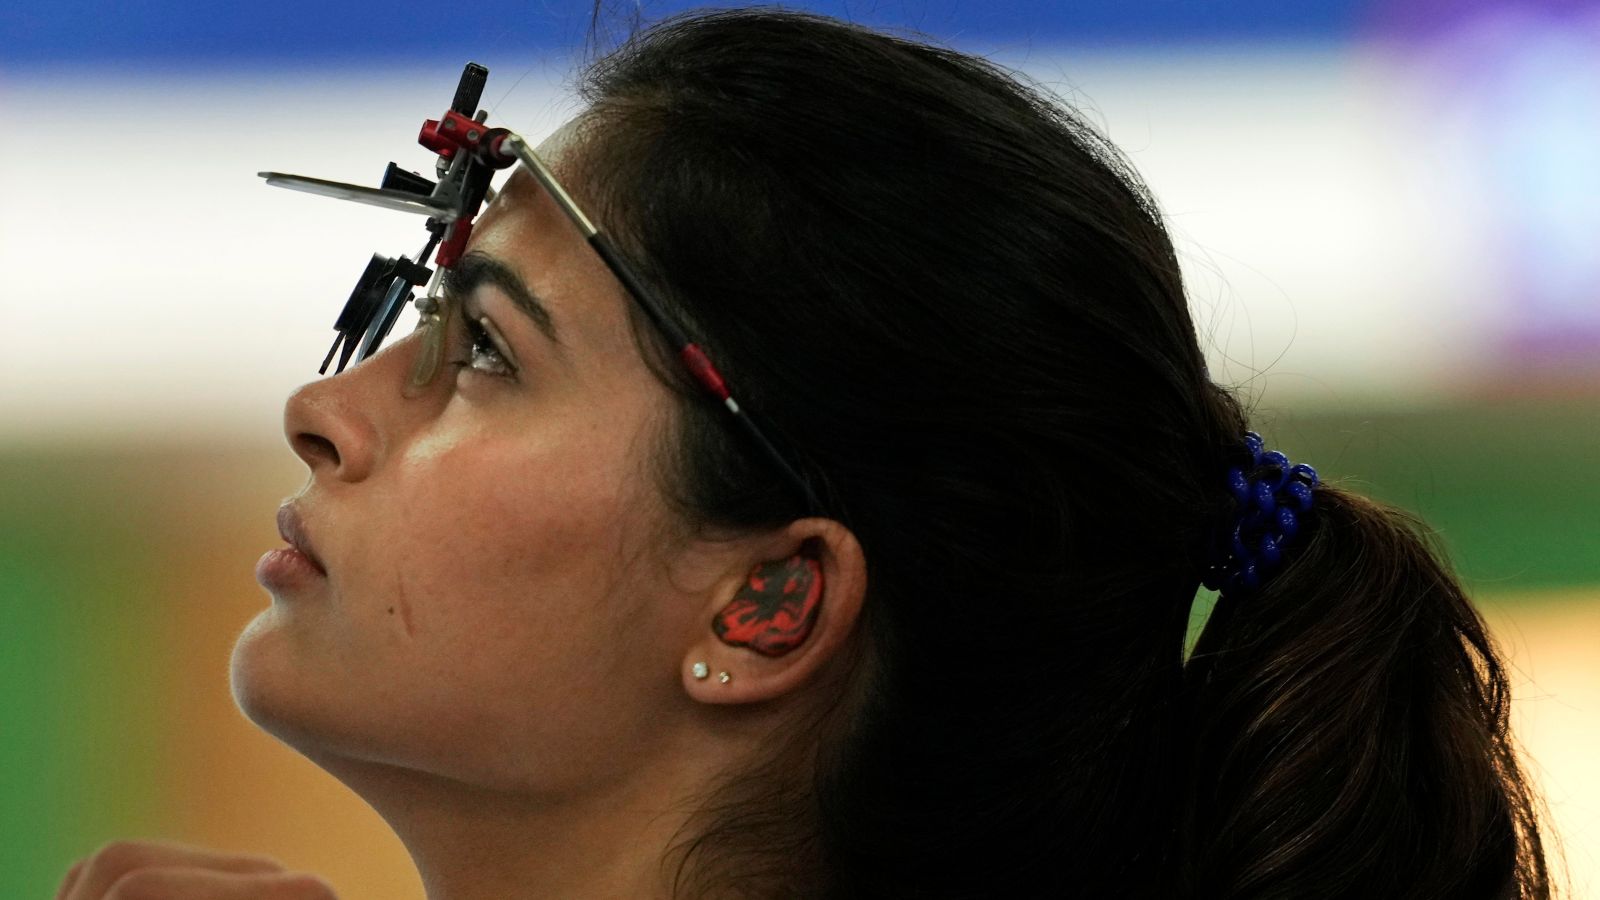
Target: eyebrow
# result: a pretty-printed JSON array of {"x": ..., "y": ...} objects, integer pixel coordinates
[{"x": 477, "y": 268}]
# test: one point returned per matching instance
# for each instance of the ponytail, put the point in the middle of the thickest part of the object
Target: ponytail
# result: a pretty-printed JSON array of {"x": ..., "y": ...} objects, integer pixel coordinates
[
  {"x": 1348, "y": 729},
  {"x": 957, "y": 307}
]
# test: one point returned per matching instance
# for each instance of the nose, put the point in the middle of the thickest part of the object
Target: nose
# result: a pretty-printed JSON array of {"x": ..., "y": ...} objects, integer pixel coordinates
[{"x": 340, "y": 426}]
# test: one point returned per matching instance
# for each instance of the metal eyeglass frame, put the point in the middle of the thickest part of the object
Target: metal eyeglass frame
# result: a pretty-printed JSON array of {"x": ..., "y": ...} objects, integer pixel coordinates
[{"x": 694, "y": 358}]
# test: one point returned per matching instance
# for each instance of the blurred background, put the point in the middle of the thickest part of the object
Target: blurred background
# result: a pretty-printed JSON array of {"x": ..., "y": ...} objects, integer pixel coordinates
[{"x": 1387, "y": 211}]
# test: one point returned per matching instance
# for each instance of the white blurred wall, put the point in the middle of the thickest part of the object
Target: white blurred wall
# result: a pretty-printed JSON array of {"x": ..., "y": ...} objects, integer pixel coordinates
[{"x": 154, "y": 285}]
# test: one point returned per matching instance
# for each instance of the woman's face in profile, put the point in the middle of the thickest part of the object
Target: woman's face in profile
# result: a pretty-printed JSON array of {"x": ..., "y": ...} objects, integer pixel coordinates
[{"x": 496, "y": 606}]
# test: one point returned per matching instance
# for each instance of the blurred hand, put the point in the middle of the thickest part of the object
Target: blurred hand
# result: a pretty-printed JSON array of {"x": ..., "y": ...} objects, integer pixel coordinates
[{"x": 158, "y": 870}]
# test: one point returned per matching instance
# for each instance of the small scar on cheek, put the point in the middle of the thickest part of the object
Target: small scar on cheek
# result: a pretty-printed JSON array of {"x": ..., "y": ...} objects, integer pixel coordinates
[{"x": 404, "y": 606}]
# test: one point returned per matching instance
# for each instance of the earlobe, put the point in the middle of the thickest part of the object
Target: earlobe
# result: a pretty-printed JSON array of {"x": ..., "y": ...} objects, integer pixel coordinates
[{"x": 774, "y": 610}]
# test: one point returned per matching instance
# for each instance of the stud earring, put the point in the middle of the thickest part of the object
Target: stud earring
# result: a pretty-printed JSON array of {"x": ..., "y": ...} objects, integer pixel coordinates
[
  {"x": 724, "y": 677},
  {"x": 699, "y": 670}
]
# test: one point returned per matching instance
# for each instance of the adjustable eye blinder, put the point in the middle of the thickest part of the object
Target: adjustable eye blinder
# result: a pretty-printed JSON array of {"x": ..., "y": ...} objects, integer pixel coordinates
[
  {"x": 382, "y": 291},
  {"x": 376, "y": 301},
  {"x": 468, "y": 157}
]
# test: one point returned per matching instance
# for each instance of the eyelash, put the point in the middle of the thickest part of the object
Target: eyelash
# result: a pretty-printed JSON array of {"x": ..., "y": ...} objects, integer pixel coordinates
[{"x": 477, "y": 344}]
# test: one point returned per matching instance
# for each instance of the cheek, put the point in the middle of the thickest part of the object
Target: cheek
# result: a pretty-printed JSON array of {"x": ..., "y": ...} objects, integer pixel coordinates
[
  {"x": 519, "y": 555},
  {"x": 524, "y": 624},
  {"x": 496, "y": 529}
]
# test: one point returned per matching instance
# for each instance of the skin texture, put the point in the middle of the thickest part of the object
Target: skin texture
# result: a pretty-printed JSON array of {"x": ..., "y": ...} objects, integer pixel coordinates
[{"x": 498, "y": 659}]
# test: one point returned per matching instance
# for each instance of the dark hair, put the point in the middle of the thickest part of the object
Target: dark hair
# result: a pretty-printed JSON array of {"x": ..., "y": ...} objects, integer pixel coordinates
[{"x": 955, "y": 307}]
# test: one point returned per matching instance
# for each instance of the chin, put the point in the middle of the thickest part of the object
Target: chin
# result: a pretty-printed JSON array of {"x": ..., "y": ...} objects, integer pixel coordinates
[
  {"x": 273, "y": 689},
  {"x": 283, "y": 689},
  {"x": 258, "y": 673}
]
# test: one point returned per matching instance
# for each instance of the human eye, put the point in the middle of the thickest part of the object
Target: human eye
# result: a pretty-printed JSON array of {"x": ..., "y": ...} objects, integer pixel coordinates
[
  {"x": 482, "y": 349},
  {"x": 478, "y": 346}
]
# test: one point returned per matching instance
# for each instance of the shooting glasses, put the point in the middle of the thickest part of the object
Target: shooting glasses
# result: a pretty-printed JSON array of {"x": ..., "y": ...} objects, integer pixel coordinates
[{"x": 469, "y": 154}]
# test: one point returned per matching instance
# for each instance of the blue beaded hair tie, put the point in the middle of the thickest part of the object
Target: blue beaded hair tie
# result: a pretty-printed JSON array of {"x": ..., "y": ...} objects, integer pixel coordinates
[{"x": 1269, "y": 508}]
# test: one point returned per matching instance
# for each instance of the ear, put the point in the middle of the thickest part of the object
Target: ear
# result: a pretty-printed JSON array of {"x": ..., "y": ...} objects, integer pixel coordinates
[{"x": 777, "y": 618}]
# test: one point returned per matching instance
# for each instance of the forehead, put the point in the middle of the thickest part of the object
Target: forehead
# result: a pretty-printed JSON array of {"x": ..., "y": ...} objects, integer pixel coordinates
[
  {"x": 526, "y": 230},
  {"x": 522, "y": 197},
  {"x": 555, "y": 151},
  {"x": 559, "y": 141}
]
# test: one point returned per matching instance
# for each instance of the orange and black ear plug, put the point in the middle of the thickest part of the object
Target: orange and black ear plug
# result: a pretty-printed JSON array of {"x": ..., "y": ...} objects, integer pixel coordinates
[
  {"x": 773, "y": 612},
  {"x": 468, "y": 155}
]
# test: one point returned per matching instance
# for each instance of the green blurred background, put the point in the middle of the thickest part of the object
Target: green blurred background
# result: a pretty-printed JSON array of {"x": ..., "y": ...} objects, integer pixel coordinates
[{"x": 126, "y": 573}]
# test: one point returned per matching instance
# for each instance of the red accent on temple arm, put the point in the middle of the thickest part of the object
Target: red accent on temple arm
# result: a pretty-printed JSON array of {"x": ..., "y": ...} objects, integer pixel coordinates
[{"x": 704, "y": 372}]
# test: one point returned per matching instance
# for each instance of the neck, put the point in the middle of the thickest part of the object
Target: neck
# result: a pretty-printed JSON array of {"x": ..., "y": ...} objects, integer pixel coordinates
[{"x": 469, "y": 842}]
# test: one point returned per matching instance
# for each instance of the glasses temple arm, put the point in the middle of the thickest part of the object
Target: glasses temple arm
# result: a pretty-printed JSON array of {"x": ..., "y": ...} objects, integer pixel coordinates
[{"x": 693, "y": 357}]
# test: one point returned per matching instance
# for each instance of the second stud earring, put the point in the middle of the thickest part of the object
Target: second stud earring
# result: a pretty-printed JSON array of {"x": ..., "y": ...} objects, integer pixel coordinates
[{"x": 724, "y": 677}]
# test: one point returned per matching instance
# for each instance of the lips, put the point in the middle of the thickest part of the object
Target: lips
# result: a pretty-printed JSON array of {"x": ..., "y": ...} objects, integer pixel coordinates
[{"x": 293, "y": 531}]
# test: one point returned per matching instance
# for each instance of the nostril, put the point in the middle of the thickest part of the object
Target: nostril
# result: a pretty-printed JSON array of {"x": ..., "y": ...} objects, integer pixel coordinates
[{"x": 315, "y": 447}]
